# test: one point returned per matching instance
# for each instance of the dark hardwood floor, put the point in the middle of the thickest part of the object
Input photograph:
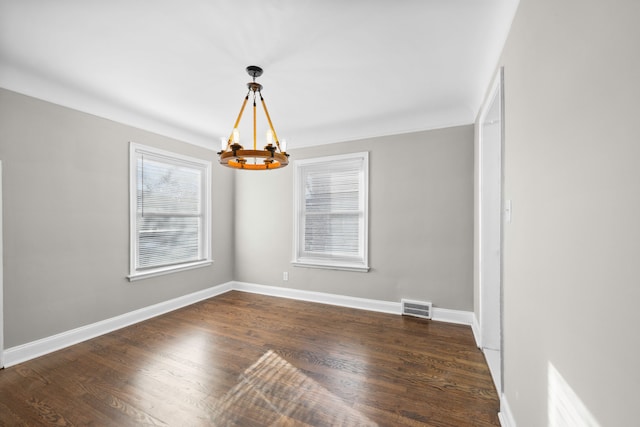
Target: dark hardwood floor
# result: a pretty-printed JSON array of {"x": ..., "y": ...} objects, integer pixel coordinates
[{"x": 241, "y": 359}]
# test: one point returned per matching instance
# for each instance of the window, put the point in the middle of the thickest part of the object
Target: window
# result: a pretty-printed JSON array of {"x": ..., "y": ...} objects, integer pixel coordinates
[
  {"x": 169, "y": 212},
  {"x": 331, "y": 212}
]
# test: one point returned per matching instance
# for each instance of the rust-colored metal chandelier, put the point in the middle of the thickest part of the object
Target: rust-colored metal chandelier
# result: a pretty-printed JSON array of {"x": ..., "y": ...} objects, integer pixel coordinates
[{"x": 272, "y": 156}]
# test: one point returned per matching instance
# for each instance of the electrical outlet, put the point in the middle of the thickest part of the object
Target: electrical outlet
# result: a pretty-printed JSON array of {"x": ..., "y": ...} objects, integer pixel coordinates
[{"x": 285, "y": 276}]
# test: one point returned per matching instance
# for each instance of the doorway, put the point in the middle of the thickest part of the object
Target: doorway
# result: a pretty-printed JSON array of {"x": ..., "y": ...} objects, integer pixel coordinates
[{"x": 491, "y": 143}]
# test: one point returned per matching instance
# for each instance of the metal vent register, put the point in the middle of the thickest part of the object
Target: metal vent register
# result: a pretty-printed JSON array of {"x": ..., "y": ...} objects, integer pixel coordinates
[{"x": 417, "y": 308}]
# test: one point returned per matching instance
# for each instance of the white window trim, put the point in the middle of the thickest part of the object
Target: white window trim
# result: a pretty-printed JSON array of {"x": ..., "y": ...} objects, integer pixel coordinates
[
  {"x": 328, "y": 262},
  {"x": 135, "y": 274}
]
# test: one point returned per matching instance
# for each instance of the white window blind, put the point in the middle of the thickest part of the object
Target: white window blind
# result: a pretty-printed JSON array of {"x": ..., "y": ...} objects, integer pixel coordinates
[
  {"x": 331, "y": 203},
  {"x": 170, "y": 212}
]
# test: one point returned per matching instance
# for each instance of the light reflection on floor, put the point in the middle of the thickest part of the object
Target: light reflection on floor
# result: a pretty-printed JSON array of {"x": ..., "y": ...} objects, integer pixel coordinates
[
  {"x": 272, "y": 392},
  {"x": 189, "y": 351}
]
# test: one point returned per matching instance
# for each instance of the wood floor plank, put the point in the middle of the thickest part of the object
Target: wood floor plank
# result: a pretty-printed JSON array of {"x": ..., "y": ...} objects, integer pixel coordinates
[{"x": 242, "y": 359}]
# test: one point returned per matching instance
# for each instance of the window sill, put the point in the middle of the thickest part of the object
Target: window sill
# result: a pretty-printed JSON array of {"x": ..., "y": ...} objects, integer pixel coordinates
[
  {"x": 139, "y": 275},
  {"x": 331, "y": 265}
]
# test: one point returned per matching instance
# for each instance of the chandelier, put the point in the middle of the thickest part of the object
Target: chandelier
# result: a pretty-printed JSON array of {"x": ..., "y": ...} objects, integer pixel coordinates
[{"x": 272, "y": 156}]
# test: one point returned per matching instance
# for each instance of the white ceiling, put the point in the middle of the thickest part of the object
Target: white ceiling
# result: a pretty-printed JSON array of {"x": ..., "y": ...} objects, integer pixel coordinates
[{"x": 334, "y": 70}]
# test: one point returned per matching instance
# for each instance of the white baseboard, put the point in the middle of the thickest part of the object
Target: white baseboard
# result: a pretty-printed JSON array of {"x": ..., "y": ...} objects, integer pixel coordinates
[
  {"x": 320, "y": 297},
  {"x": 505, "y": 415},
  {"x": 24, "y": 352},
  {"x": 452, "y": 316},
  {"x": 475, "y": 328}
]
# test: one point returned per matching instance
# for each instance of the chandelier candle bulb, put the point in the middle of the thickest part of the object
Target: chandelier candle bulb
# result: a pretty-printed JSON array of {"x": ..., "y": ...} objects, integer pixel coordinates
[
  {"x": 236, "y": 136},
  {"x": 283, "y": 145}
]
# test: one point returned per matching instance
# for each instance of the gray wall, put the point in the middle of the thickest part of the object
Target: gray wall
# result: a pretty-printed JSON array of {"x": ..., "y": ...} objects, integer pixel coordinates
[
  {"x": 66, "y": 220},
  {"x": 420, "y": 222},
  {"x": 572, "y": 171}
]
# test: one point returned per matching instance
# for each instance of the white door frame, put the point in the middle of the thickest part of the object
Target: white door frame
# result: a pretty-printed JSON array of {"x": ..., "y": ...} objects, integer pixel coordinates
[
  {"x": 1, "y": 280},
  {"x": 490, "y": 233}
]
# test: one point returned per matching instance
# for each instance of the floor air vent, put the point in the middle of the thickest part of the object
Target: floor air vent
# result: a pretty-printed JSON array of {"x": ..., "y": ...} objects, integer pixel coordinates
[{"x": 416, "y": 308}]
